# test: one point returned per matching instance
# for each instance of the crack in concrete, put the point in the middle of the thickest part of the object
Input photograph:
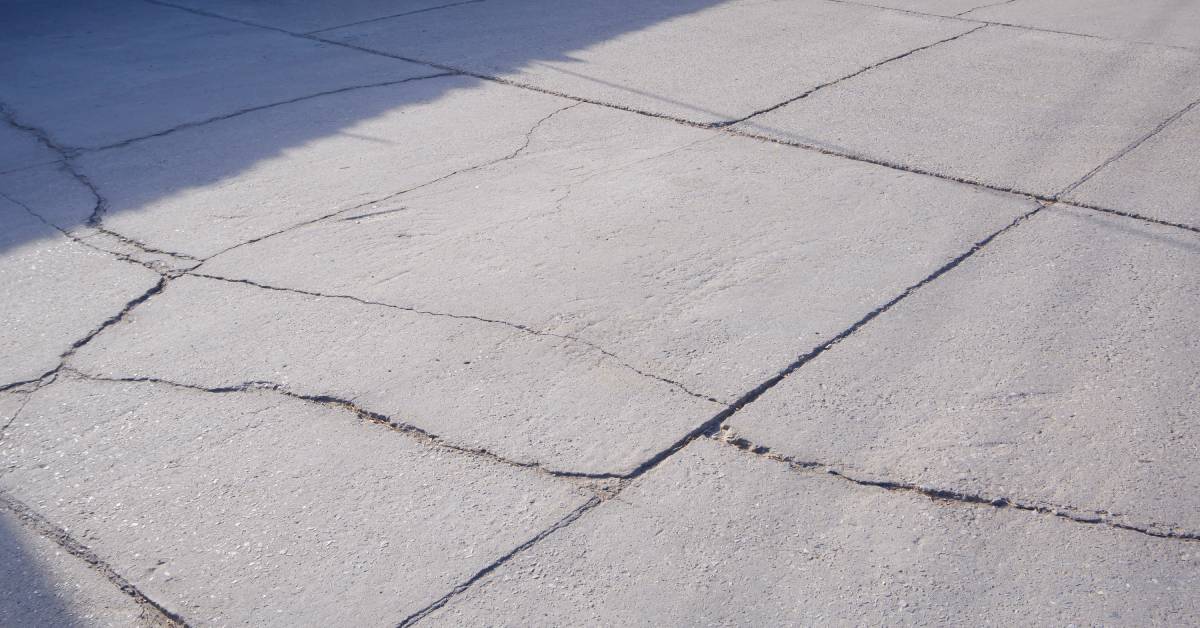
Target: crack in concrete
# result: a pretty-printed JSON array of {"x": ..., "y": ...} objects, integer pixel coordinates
[
  {"x": 847, "y": 77},
  {"x": 388, "y": 17},
  {"x": 42, "y": 526},
  {"x": 984, "y": 6},
  {"x": 1089, "y": 517}
]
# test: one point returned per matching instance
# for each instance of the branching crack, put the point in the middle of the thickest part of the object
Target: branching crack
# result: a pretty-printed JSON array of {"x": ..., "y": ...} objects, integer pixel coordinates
[
  {"x": 40, "y": 525},
  {"x": 1092, "y": 517}
]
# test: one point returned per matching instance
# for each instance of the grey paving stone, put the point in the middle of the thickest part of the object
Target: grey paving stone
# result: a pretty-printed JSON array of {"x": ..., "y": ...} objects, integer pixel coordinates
[
  {"x": 1059, "y": 366},
  {"x": 714, "y": 261},
  {"x": 1017, "y": 109},
  {"x": 53, "y": 292},
  {"x": 483, "y": 385},
  {"x": 718, "y": 537},
  {"x": 700, "y": 60},
  {"x": 21, "y": 150},
  {"x": 205, "y": 189},
  {"x": 1157, "y": 179},
  {"x": 41, "y": 585},
  {"x": 1169, "y": 22},
  {"x": 255, "y": 509},
  {"x": 96, "y": 73},
  {"x": 305, "y": 15}
]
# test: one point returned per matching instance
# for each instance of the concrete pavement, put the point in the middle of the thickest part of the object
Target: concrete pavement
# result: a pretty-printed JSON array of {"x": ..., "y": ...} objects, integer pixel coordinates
[{"x": 514, "y": 312}]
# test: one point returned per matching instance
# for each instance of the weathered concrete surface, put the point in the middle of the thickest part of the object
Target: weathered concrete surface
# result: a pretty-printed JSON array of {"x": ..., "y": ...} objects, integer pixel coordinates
[
  {"x": 53, "y": 292},
  {"x": 1016, "y": 109},
  {"x": 714, "y": 263},
  {"x": 1057, "y": 367},
  {"x": 699, "y": 60},
  {"x": 42, "y": 586},
  {"x": 195, "y": 191},
  {"x": 527, "y": 397},
  {"x": 1157, "y": 179},
  {"x": 303, "y": 16},
  {"x": 1167, "y": 22},
  {"x": 256, "y": 509},
  {"x": 719, "y": 537},
  {"x": 143, "y": 68}
]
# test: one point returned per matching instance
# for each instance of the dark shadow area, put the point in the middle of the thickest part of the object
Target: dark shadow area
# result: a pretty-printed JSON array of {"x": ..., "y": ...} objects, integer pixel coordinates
[{"x": 27, "y": 596}]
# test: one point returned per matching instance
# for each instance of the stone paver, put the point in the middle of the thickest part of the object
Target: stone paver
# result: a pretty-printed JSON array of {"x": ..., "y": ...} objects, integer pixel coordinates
[
  {"x": 141, "y": 68},
  {"x": 1167, "y": 22},
  {"x": 1016, "y": 109},
  {"x": 1059, "y": 366},
  {"x": 42, "y": 586},
  {"x": 584, "y": 236},
  {"x": 53, "y": 292},
  {"x": 255, "y": 509},
  {"x": 1156, "y": 179},
  {"x": 699, "y": 60},
  {"x": 719, "y": 537}
]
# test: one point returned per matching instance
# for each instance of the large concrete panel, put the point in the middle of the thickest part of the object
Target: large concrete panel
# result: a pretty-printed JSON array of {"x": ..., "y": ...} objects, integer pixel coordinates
[
  {"x": 714, "y": 262},
  {"x": 255, "y": 509},
  {"x": 1168, "y": 22},
  {"x": 701, "y": 60},
  {"x": 94, "y": 73},
  {"x": 1017, "y": 109},
  {"x": 718, "y": 537},
  {"x": 527, "y": 397},
  {"x": 1159, "y": 179},
  {"x": 1058, "y": 367},
  {"x": 53, "y": 292},
  {"x": 202, "y": 190}
]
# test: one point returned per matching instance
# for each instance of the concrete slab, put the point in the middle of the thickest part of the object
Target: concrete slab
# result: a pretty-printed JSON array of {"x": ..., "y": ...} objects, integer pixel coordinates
[
  {"x": 19, "y": 149},
  {"x": 53, "y": 292},
  {"x": 1057, "y": 367},
  {"x": 253, "y": 508},
  {"x": 531, "y": 398},
  {"x": 42, "y": 586},
  {"x": 303, "y": 16},
  {"x": 202, "y": 190},
  {"x": 91, "y": 74},
  {"x": 719, "y": 537},
  {"x": 1016, "y": 109},
  {"x": 714, "y": 262},
  {"x": 1156, "y": 179},
  {"x": 1167, "y": 22},
  {"x": 699, "y": 60}
]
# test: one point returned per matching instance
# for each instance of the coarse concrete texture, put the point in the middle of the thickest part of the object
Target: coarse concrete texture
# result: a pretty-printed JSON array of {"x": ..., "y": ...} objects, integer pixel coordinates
[
  {"x": 257, "y": 509},
  {"x": 716, "y": 536},
  {"x": 53, "y": 292},
  {"x": 526, "y": 397},
  {"x": 304, "y": 16},
  {"x": 91, "y": 74},
  {"x": 202, "y": 190},
  {"x": 1058, "y": 367},
  {"x": 1159, "y": 179},
  {"x": 714, "y": 262},
  {"x": 1011, "y": 108},
  {"x": 1166, "y": 22},
  {"x": 43, "y": 586},
  {"x": 700, "y": 60}
]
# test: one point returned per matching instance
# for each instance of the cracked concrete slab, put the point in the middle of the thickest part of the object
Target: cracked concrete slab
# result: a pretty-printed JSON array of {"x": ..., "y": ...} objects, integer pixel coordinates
[
  {"x": 303, "y": 16},
  {"x": 713, "y": 262},
  {"x": 203, "y": 190},
  {"x": 1156, "y": 179},
  {"x": 521, "y": 396},
  {"x": 43, "y": 586},
  {"x": 701, "y": 60},
  {"x": 1167, "y": 22},
  {"x": 141, "y": 68},
  {"x": 1010, "y": 108},
  {"x": 689, "y": 543},
  {"x": 1057, "y": 367},
  {"x": 256, "y": 509},
  {"x": 53, "y": 292}
]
